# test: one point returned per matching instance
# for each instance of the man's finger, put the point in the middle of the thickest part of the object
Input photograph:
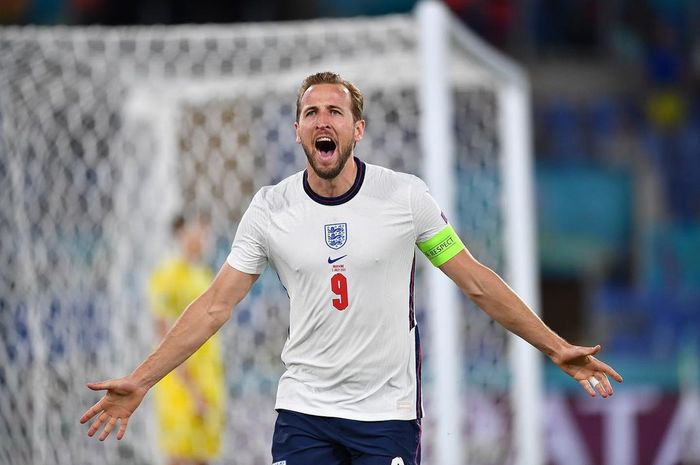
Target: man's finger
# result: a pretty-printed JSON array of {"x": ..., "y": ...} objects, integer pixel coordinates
[
  {"x": 605, "y": 383},
  {"x": 91, "y": 412},
  {"x": 108, "y": 429},
  {"x": 598, "y": 384},
  {"x": 587, "y": 387},
  {"x": 608, "y": 370},
  {"x": 122, "y": 428},
  {"x": 99, "y": 386},
  {"x": 592, "y": 350},
  {"x": 96, "y": 425}
]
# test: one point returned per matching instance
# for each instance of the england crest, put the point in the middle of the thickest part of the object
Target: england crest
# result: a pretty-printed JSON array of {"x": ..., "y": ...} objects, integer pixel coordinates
[{"x": 336, "y": 235}]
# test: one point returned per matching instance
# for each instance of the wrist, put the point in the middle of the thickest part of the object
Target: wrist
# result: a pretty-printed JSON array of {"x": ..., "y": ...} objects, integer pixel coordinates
[
  {"x": 555, "y": 348},
  {"x": 141, "y": 381}
]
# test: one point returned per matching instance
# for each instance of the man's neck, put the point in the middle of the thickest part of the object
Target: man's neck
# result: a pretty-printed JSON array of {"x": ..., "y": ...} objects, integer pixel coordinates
[{"x": 333, "y": 187}]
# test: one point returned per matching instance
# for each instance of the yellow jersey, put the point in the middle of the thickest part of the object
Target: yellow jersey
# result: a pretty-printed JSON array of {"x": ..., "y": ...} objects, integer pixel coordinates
[{"x": 190, "y": 400}]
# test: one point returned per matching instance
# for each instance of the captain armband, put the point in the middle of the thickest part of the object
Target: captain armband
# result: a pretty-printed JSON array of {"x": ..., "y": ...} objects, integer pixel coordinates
[{"x": 442, "y": 246}]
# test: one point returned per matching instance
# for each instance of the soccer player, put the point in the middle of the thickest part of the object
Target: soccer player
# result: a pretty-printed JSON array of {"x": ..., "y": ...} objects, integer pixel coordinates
[
  {"x": 341, "y": 235},
  {"x": 189, "y": 400}
]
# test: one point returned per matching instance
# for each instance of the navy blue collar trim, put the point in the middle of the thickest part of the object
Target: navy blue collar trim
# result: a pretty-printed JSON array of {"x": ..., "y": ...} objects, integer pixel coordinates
[{"x": 352, "y": 192}]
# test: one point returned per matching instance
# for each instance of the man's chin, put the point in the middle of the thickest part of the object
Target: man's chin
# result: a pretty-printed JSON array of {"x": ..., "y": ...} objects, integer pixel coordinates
[
  {"x": 325, "y": 170},
  {"x": 327, "y": 173}
]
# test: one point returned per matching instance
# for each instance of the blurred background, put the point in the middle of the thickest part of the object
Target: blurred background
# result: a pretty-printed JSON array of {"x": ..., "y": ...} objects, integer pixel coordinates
[{"x": 616, "y": 119}]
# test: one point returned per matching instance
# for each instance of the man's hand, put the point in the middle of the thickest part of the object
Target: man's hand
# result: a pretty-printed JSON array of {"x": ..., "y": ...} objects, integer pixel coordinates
[
  {"x": 592, "y": 374},
  {"x": 122, "y": 398}
]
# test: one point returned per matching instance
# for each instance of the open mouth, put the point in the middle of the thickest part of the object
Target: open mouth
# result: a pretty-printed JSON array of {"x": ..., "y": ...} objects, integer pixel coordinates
[{"x": 325, "y": 145}]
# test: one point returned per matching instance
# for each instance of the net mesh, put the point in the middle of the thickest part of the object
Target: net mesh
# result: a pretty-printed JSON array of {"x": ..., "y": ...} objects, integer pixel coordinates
[{"x": 106, "y": 133}]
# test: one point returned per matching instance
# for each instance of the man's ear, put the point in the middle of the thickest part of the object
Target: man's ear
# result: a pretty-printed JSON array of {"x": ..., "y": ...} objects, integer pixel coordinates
[{"x": 359, "y": 130}]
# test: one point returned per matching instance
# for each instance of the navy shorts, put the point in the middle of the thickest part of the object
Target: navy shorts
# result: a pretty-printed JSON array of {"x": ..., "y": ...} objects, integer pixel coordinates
[{"x": 301, "y": 439}]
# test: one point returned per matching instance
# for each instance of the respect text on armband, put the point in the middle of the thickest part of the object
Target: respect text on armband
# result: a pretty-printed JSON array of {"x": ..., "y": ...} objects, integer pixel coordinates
[{"x": 441, "y": 247}]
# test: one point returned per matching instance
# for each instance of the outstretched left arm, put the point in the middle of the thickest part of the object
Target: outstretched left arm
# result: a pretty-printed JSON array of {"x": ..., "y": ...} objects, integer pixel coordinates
[{"x": 501, "y": 303}]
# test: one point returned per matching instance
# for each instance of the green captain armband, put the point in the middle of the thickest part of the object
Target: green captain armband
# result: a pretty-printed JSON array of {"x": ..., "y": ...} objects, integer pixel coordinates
[{"x": 442, "y": 246}]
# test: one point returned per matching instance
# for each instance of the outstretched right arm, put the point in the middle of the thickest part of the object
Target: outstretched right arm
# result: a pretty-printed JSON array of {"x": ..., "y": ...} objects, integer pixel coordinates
[{"x": 202, "y": 318}]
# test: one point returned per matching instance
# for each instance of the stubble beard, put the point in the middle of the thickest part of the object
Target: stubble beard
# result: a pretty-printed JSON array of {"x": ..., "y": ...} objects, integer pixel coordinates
[{"x": 332, "y": 172}]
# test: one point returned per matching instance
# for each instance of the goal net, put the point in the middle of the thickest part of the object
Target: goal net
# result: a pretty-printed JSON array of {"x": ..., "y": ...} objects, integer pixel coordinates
[{"x": 106, "y": 133}]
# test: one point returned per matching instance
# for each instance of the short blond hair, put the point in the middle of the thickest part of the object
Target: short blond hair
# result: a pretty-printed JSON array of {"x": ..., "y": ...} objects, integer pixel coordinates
[{"x": 327, "y": 77}]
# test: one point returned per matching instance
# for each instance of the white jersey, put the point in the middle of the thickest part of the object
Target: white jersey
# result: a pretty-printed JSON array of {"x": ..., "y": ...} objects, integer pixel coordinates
[{"x": 348, "y": 266}]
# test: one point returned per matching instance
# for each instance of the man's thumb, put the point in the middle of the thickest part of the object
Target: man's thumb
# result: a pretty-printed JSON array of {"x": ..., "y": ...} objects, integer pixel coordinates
[
  {"x": 99, "y": 386},
  {"x": 592, "y": 350}
]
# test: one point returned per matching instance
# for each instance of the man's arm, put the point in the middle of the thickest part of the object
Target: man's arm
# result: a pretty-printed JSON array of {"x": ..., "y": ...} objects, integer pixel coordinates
[
  {"x": 161, "y": 326},
  {"x": 202, "y": 318},
  {"x": 502, "y": 304}
]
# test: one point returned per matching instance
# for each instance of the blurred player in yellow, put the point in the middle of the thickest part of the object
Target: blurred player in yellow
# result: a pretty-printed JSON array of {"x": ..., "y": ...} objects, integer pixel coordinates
[{"x": 190, "y": 400}]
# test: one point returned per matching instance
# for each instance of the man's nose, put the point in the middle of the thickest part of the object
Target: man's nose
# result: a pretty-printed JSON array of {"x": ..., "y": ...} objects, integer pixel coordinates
[{"x": 323, "y": 119}]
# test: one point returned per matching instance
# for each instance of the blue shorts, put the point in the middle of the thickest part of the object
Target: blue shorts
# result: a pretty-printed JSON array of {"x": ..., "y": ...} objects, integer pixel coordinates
[{"x": 301, "y": 439}]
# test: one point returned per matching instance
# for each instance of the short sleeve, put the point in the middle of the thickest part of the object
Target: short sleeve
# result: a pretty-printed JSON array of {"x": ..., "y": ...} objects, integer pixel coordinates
[
  {"x": 428, "y": 219},
  {"x": 249, "y": 249}
]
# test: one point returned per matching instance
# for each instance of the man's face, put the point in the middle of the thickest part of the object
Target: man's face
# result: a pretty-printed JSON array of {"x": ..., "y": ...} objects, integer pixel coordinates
[{"x": 326, "y": 129}]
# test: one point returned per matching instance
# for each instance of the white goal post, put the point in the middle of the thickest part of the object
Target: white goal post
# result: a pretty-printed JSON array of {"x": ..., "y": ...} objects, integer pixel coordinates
[
  {"x": 442, "y": 39},
  {"x": 105, "y": 133}
]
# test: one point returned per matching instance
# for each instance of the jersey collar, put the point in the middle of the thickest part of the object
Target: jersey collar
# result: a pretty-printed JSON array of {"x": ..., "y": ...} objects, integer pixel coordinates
[{"x": 354, "y": 189}]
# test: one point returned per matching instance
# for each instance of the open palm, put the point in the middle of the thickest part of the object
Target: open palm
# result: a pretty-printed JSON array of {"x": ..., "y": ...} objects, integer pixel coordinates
[
  {"x": 122, "y": 398},
  {"x": 592, "y": 374}
]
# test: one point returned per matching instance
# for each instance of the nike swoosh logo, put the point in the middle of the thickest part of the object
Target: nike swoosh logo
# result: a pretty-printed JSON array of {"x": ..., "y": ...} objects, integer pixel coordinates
[{"x": 333, "y": 260}]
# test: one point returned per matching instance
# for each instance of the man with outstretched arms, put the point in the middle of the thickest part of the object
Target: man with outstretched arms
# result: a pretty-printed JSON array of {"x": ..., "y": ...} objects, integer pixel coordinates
[{"x": 342, "y": 236}]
